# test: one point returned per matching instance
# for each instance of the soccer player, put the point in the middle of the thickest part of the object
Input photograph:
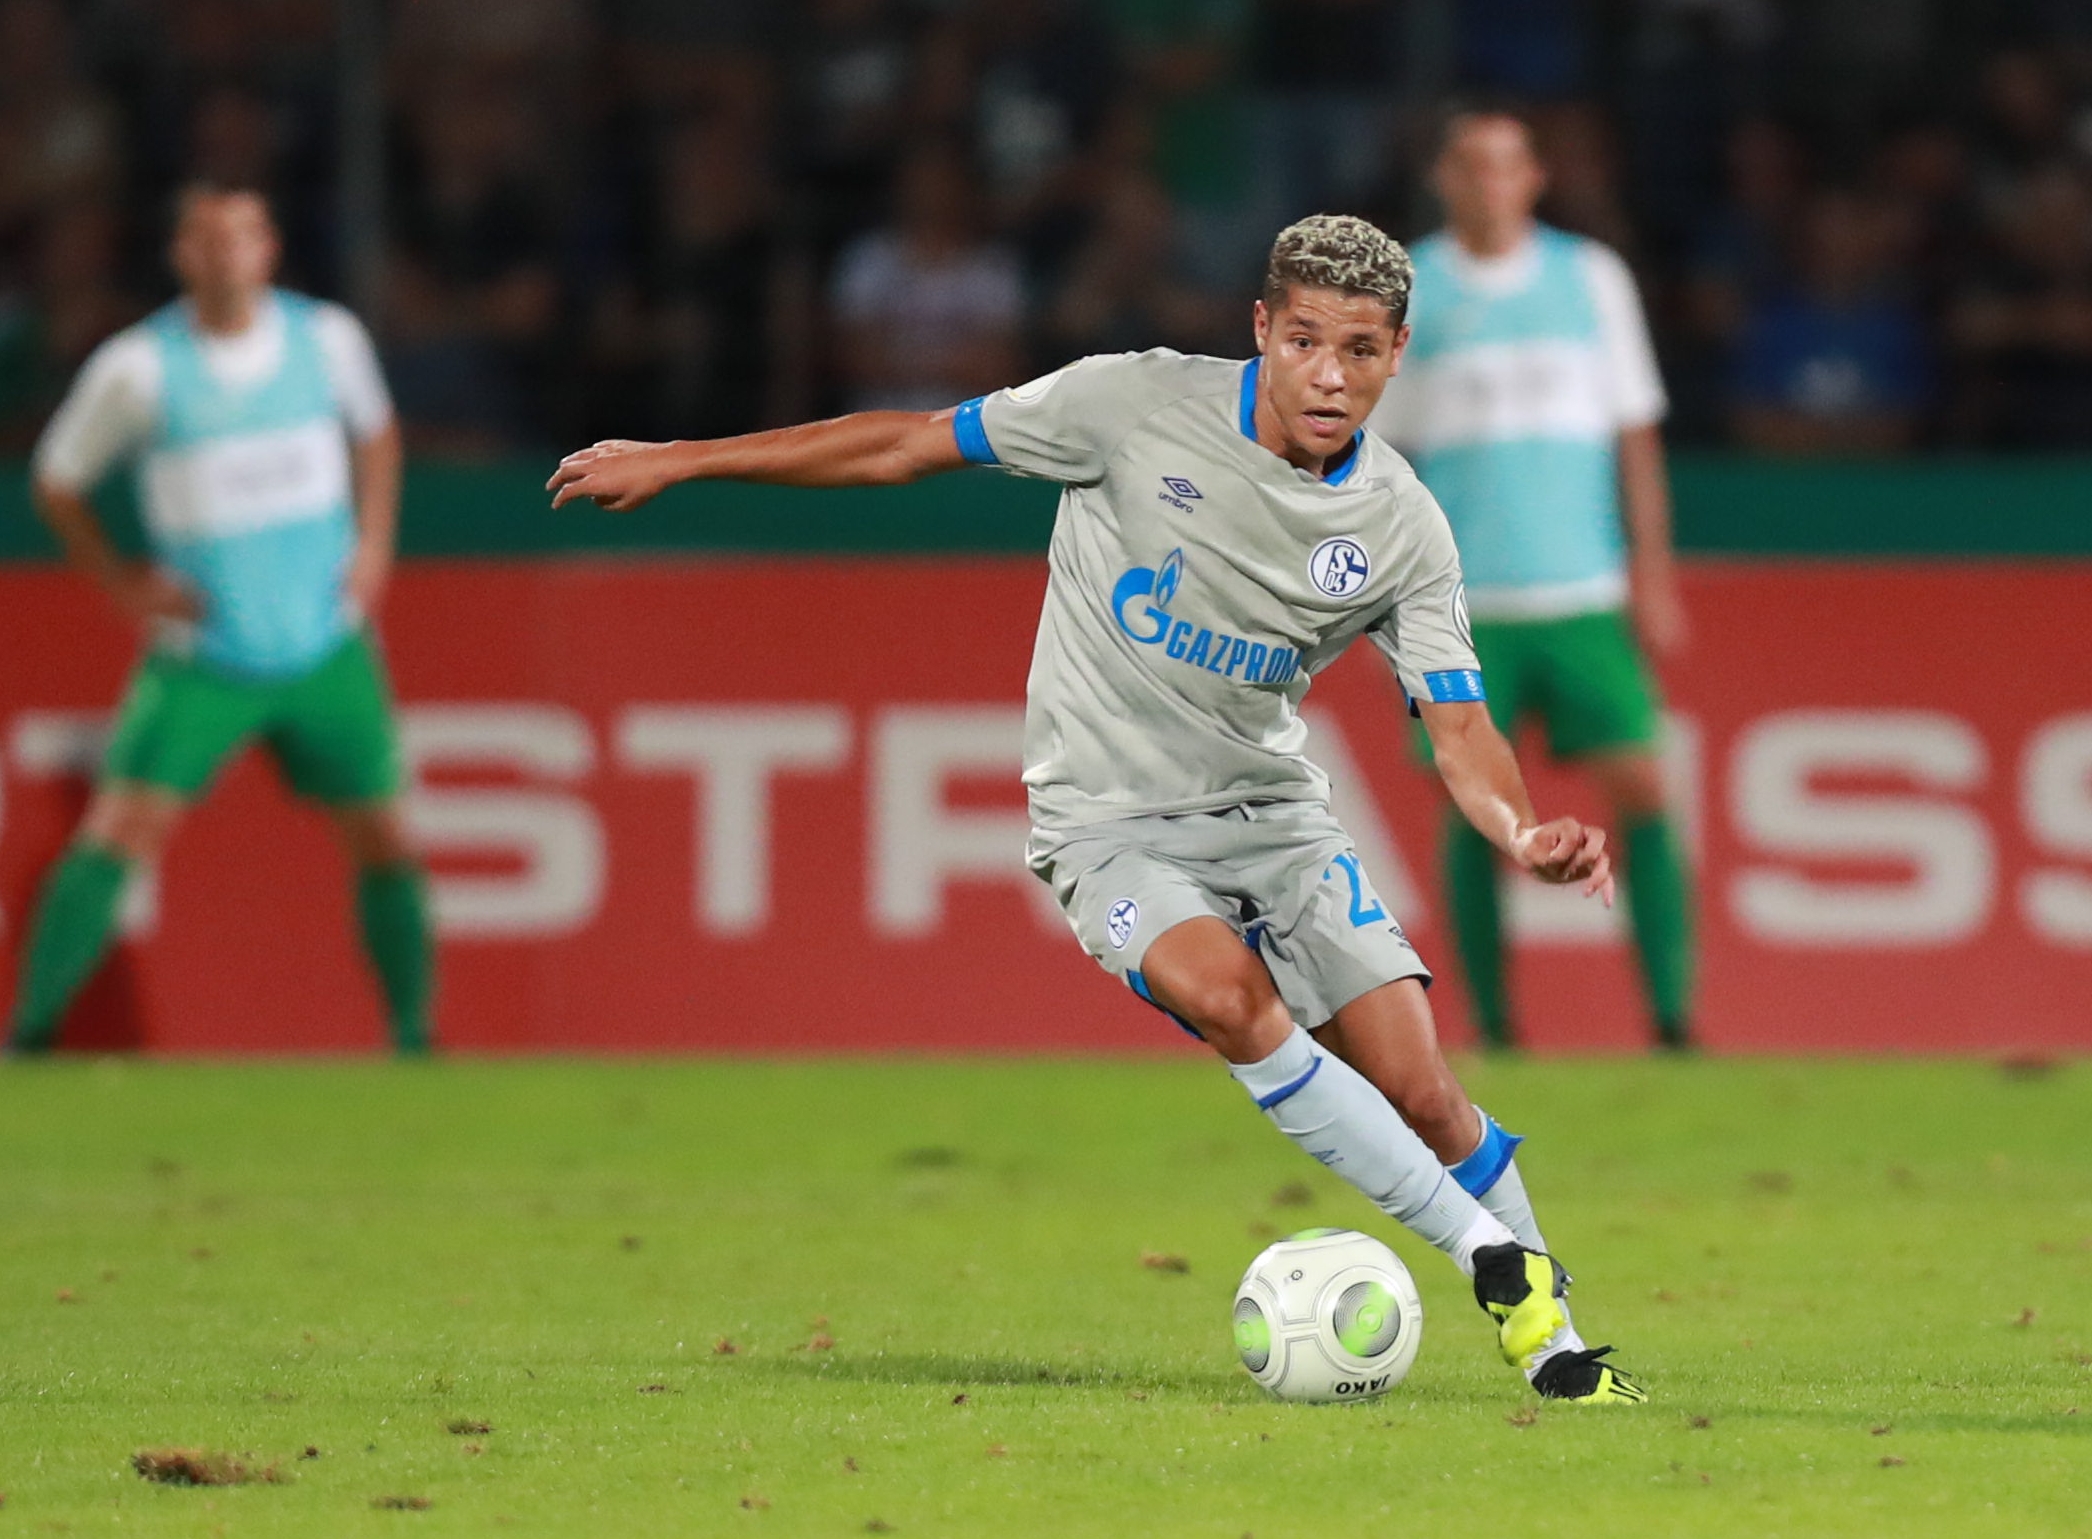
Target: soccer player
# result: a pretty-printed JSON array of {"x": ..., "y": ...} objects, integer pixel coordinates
[
  {"x": 1530, "y": 402},
  {"x": 268, "y": 468},
  {"x": 1226, "y": 529}
]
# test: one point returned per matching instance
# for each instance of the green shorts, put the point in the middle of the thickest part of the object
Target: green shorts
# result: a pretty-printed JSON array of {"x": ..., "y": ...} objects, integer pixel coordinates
[
  {"x": 1582, "y": 676},
  {"x": 330, "y": 730}
]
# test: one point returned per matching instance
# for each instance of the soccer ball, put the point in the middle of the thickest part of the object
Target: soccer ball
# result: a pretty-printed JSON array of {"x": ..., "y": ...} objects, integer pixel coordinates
[{"x": 1329, "y": 1314}]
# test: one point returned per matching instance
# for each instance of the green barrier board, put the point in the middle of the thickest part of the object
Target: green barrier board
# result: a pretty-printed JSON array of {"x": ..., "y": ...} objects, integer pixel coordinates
[{"x": 1727, "y": 506}]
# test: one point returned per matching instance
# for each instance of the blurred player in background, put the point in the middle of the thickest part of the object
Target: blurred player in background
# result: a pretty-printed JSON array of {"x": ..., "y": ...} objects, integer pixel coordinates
[
  {"x": 1226, "y": 530},
  {"x": 268, "y": 471},
  {"x": 1529, "y": 402}
]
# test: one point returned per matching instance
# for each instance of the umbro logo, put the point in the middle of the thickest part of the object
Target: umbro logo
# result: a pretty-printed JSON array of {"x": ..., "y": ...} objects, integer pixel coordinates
[{"x": 1179, "y": 493}]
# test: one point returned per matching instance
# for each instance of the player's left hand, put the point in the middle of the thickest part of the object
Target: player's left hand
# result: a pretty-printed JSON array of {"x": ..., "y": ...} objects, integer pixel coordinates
[
  {"x": 618, "y": 473},
  {"x": 1566, "y": 851},
  {"x": 370, "y": 570}
]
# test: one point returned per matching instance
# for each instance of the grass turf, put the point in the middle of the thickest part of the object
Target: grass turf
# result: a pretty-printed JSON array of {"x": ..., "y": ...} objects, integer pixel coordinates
[{"x": 1858, "y": 1290}]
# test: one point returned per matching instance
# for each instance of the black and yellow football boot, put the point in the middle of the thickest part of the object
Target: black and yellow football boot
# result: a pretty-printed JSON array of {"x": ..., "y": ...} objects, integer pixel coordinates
[
  {"x": 1522, "y": 1290},
  {"x": 1581, "y": 1377}
]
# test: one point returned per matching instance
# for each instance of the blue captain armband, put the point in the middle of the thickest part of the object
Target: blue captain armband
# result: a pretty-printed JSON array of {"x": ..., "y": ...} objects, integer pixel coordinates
[
  {"x": 973, "y": 438},
  {"x": 1455, "y": 685}
]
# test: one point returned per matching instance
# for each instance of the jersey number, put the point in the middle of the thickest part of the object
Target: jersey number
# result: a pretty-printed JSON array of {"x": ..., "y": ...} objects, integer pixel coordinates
[{"x": 1364, "y": 910}]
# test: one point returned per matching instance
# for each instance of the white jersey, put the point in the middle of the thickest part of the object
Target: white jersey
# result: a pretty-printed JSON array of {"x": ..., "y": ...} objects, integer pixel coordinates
[{"x": 1199, "y": 582}]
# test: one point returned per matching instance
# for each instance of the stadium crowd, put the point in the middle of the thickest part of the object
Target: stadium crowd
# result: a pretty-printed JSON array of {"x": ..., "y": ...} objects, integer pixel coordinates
[{"x": 1861, "y": 225}]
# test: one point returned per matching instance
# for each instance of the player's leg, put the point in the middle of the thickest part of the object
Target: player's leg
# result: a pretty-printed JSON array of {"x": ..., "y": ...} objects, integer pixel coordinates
[
  {"x": 335, "y": 737},
  {"x": 393, "y": 912},
  {"x": 1338, "y": 957},
  {"x": 1200, "y": 971},
  {"x": 177, "y": 723},
  {"x": 1130, "y": 892},
  {"x": 1657, "y": 885},
  {"x": 1469, "y": 873},
  {"x": 1388, "y": 1035},
  {"x": 126, "y": 826},
  {"x": 1604, "y": 717}
]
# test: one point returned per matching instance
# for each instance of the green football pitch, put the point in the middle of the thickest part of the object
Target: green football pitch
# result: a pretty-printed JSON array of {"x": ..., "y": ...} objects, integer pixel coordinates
[{"x": 929, "y": 1297}]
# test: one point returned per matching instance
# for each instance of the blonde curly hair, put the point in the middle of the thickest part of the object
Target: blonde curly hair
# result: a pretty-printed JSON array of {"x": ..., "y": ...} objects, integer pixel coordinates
[{"x": 1342, "y": 252}]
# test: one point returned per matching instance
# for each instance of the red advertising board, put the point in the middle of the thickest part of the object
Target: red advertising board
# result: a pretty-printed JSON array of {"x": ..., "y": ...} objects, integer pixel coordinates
[{"x": 772, "y": 806}]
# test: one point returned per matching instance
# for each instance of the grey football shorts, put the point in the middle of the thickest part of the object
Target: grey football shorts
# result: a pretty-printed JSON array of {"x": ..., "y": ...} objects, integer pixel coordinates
[{"x": 1282, "y": 874}]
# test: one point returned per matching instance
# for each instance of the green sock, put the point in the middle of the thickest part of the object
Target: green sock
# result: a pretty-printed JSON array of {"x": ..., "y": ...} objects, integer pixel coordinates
[
  {"x": 1659, "y": 902},
  {"x": 1478, "y": 925},
  {"x": 74, "y": 919},
  {"x": 392, "y": 903}
]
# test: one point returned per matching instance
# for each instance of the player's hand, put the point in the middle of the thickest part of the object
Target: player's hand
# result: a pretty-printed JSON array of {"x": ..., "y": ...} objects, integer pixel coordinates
[
  {"x": 364, "y": 584},
  {"x": 617, "y": 474},
  {"x": 1659, "y": 616},
  {"x": 148, "y": 595},
  {"x": 1566, "y": 851}
]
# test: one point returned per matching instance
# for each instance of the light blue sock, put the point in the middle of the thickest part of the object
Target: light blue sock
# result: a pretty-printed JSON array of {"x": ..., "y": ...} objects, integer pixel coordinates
[{"x": 1333, "y": 1112}]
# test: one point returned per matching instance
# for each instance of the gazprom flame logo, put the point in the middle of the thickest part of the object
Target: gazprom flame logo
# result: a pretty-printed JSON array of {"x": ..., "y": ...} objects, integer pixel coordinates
[
  {"x": 1169, "y": 579},
  {"x": 1159, "y": 585}
]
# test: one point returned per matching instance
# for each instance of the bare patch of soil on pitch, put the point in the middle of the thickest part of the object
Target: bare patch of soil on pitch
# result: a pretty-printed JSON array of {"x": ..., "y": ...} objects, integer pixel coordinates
[{"x": 199, "y": 1467}]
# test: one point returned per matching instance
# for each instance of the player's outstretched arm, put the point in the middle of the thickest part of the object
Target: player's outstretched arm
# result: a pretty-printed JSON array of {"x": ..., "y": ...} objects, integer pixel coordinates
[
  {"x": 1481, "y": 774},
  {"x": 868, "y": 448}
]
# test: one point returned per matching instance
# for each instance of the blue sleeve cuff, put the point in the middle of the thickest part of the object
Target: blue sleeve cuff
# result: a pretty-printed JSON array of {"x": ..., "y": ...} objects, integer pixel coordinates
[
  {"x": 1455, "y": 685},
  {"x": 973, "y": 438}
]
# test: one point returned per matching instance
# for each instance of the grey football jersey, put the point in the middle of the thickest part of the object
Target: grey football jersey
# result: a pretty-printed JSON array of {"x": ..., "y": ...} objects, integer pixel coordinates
[{"x": 1199, "y": 581}]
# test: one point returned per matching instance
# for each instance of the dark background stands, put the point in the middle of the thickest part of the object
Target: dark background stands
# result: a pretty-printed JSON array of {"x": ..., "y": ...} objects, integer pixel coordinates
[{"x": 1862, "y": 226}]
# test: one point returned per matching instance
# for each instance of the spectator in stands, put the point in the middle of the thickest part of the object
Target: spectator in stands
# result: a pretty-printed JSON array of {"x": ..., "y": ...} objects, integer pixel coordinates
[
  {"x": 2023, "y": 129},
  {"x": 1185, "y": 60},
  {"x": 1838, "y": 362},
  {"x": 718, "y": 284},
  {"x": 455, "y": 396},
  {"x": 476, "y": 218},
  {"x": 76, "y": 301},
  {"x": 848, "y": 87},
  {"x": 59, "y": 136},
  {"x": 2023, "y": 327},
  {"x": 675, "y": 60},
  {"x": 1742, "y": 250},
  {"x": 1031, "y": 83},
  {"x": 237, "y": 137},
  {"x": 1535, "y": 51},
  {"x": 1125, "y": 290},
  {"x": 1322, "y": 77},
  {"x": 1739, "y": 254},
  {"x": 564, "y": 246},
  {"x": 1584, "y": 191},
  {"x": 1687, "y": 74},
  {"x": 1922, "y": 169},
  {"x": 930, "y": 311}
]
